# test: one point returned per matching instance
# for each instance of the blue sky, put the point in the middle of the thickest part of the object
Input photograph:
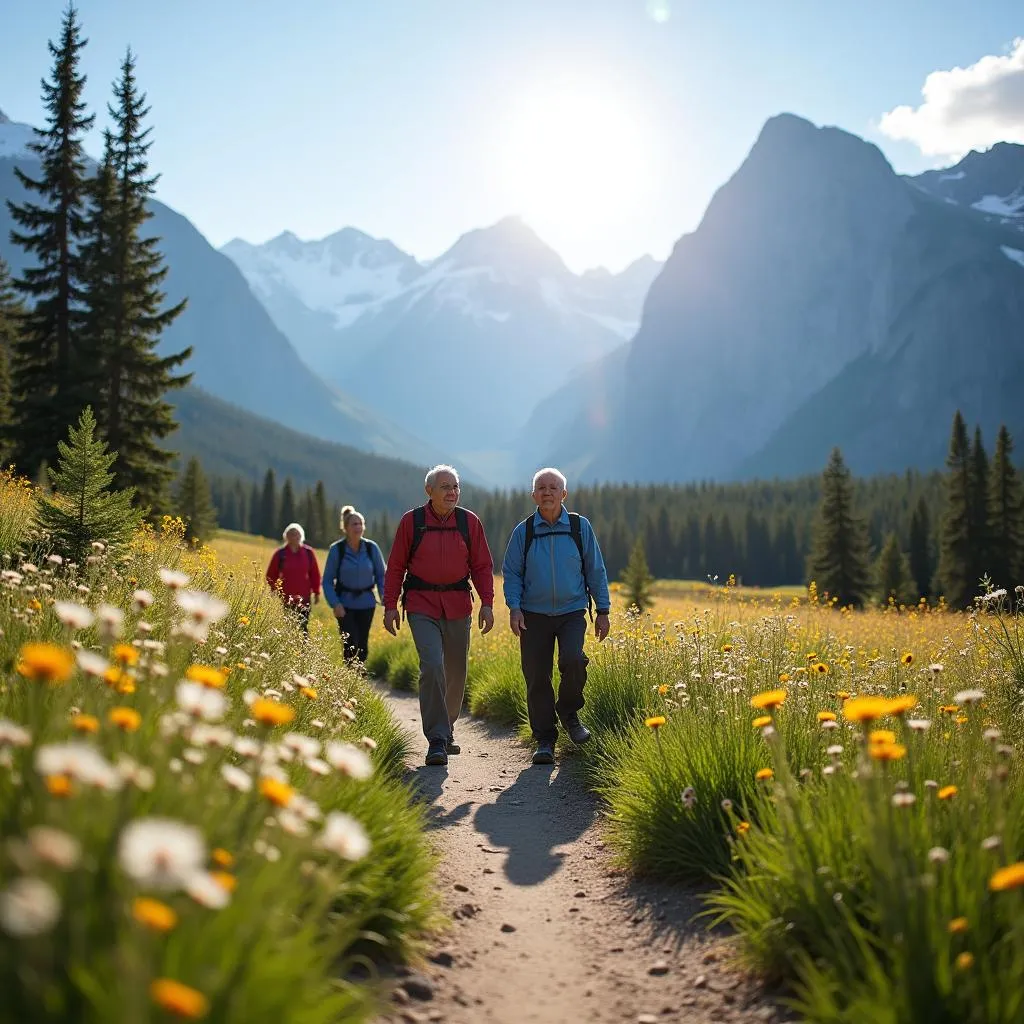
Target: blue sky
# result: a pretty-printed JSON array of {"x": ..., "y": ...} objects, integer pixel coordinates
[{"x": 606, "y": 124}]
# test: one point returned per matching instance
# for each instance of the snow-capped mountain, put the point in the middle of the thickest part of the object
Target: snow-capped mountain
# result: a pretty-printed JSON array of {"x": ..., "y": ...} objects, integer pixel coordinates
[
  {"x": 14, "y": 139},
  {"x": 498, "y": 316},
  {"x": 990, "y": 182}
]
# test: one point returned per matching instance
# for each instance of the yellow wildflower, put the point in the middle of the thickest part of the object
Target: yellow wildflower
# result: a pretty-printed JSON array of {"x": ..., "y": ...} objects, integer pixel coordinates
[
  {"x": 949, "y": 709},
  {"x": 947, "y": 792},
  {"x": 783, "y": 677},
  {"x": 763, "y": 774},
  {"x": 243, "y": 620},
  {"x": 222, "y": 858},
  {"x": 178, "y": 999},
  {"x": 957, "y": 926},
  {"x": 767, "y": 700},
  {"x": 277, "y": 792},
  {"x": 742, "y": 827},
  {"x": 843, "y": 694},
  {"x": 85, "y": 723},
  {"x": 965, "y": 961},
  {"x": 882, "y": 736},
  {"x": 124, "y": 718},
  {"x": 907, "y": 658},
  {"x": 207, "y": 675},
  {"x": 271, "y": 712},
  {"x": 308, "y": 692},
  {"x": 126, "y": 654},
  {"x": 1010, "y": 877},
  {"x": 58, "y": 785},
  {"x": 888, "y": 751},
  {"x": 865, "y": 709},
  {"x": 821, "y": 668},
  {"x": 726, "y": 648},
  {"x": 662, "y": 690},
  {"x": 46, "y": 663},
  {"x": 826, "y": 716},
  {"x": 901, "y": 705},
  {"x": 154, "y": 914},
  {"x": 761, "y": 721},
  {"x": 225, "y": 880}
]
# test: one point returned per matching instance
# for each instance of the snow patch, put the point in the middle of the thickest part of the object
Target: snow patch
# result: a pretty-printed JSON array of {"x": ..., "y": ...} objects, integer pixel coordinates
[
  {"x": 14, "y": 140},
  {"x": 953, "y": 177},
  {"x": 1001, "y": 206},
  {"x": 1017, "y": 255}
]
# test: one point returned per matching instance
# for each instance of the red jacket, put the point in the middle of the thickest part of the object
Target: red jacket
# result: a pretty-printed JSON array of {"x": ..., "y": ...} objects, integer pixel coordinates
[
  {"x": 440, "y": 558},
  {"x": 299, "y": 574}
]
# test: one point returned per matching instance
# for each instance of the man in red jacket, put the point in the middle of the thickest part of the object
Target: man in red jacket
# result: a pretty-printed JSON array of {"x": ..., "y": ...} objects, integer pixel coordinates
[
  {"x": 438, "y": 549},
  {"x": 294, "y": 575}
]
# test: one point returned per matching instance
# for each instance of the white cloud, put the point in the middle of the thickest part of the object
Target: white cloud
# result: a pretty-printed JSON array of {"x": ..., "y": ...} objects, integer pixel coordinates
[{"x": 965, "y": 108}]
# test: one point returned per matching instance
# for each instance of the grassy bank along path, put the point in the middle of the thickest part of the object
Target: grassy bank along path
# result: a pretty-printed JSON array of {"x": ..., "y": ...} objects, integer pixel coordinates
[{"x": 543, "y": 927}]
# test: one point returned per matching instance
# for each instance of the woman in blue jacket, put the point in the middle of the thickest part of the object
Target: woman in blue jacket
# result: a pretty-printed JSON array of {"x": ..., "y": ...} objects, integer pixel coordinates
[{"x": 354, "y": 568}]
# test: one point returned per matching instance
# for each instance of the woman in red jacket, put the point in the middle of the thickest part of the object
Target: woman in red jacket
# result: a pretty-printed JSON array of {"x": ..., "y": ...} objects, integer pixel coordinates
[{"x": 294, "y": 575}]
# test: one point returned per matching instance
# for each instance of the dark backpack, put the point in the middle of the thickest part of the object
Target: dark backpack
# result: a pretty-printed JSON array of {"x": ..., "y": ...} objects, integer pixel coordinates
[
  {"x": 421, "y": 527},
  {"x": 369, "y": 545},
  {"x": 576, "y": 532}
]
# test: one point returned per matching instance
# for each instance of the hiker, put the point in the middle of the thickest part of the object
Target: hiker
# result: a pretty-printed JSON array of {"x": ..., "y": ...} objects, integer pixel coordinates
[
  {"x": 553, "y": 571},
  {"x": 353, "y": 568},
  {"x": 294, "y": 574},
  {"x": 439, "y": 547}
]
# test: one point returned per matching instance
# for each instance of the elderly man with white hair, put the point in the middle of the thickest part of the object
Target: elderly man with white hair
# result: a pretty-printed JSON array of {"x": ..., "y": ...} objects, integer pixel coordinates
[
  {"x": 439, "y": 547},
  {"x": 553, "y": 570},
  {"x": 293, "y": 574}
]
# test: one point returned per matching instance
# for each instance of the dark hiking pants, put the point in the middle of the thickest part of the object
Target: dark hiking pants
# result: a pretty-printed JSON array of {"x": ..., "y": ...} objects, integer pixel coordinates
[
  {"x": 355, "y": 632},
  {"x": 537, "y": 649}
]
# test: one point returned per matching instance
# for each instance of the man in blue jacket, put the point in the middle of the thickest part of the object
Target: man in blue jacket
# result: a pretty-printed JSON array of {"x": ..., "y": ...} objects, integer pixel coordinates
[{"x": 552, "y": 570}]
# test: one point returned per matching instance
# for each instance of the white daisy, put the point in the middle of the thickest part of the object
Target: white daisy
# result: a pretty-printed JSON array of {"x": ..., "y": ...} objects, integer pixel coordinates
[
  {"x": 73, "y": 614},
  {"x": 111, "y": 620},
  {"x": 28, "y": 906},
  {"x": 305, "y": 746},
  {"x": 919, "y": 724},
  {"x": 236, "y": 778},
  {"x": 13, "y": 735},
  {"x": 201, "y": 606},
  {"x": 207, "y": 891},
  {"x": 172, "y": 579},
  {"x": 969, "y": 697},
  {"x": 349, "y": 760},
  {"x": 160, "y": 853},
  {"x": 344, "y": 836},
  {"x": 201, "y": 701},
  {"x": 938, "y": 855},
  {"x": 91, "y": 663},
  {"x": 52, "y": 846}
]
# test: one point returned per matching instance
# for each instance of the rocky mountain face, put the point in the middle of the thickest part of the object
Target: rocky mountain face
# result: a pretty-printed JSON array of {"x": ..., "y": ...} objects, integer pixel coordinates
[
  {"x": 459, "y": 350},
  {"x": 823, "y": 300},
  {"x": 238, "y": 353}
]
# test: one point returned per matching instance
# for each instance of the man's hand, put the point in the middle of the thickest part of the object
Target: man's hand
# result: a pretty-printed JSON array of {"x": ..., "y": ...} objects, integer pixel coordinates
[
  {"x": 392, "y": 621},
  {"x": 486, "y": 618},
  {"x": 602, "y": 623},
  {"x": 516, "y": 621},
  {"x": 316, "y": 599},
  {"x": 339, "y": 611}
]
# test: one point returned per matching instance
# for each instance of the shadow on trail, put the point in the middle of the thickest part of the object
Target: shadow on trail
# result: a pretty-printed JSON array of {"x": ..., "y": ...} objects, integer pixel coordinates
[
  {"x": 427, "y": 783},
  {"x": 544, "y": 808}
]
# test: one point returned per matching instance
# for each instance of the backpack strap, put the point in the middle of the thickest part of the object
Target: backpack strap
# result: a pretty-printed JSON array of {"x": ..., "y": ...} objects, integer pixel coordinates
[
  {"x": 419, "y": 525},
  {"x": 419, "y": 528},
  {"x": 462, "y": 523},
  {"x": 528, "y": 526},
  {"x": 576, "y": 529}
]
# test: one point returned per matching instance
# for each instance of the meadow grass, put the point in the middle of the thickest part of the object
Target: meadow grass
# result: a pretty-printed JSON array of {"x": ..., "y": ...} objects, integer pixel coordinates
[{"x": 200, "y": 810}]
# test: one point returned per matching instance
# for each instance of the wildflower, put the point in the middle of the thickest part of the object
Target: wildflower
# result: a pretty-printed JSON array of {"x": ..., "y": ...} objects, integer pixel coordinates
[
  {"x": 821, "y": 668},
  {"x": 344, "y": 836},
  {"x": 783, "y": 677},
  {"x": 204, "y": 888},
  {"x": 888, "y": 751},
  {"x": 761, "y": 721},
  {"x": 947, "y": 792},
  {"x": 202, "y": 607},
  {"x": 938, "y": 855},
  {"x": 957, "y": 926},
  {"x": 767, "y": 700},
  {"x": 207, "y": 675},
  {"x": 726, "y": 648},
  {"x": 92, "y": 664},
  {"x": 662, "y": 690},
  {"x": 178, "y": 999},
  {"x": 907, "y": 658},
  {"x": 881, "y": 736},
  {"x": 222, "y": 858},
  {"x": 349, "y": 760},
  {"x": 200, "y": 702},
  {"x": 243, "y": 620},
  {"x": 965, "y": 961},
  {"x": 73, "y": 614},
  {"x": 124, "y": 718},
  {"x": 126, "y": 654},
  {"x": 826, "y": 716},
  {"x": 236, "y": 778},
  {"x": 843, "y": 694},
  {"x": 949, "y": 709},
  {"x": 75, "y": 761},
  {"x": 141, "y": 599},
  {"x": 834, "y": 750},
  {"x": 54, "y": 847},
  {"x": 304, "y": 746},
  {"x": 990, "y": 843},
  {"x": 742, "y": 827},
  {"x": 276, "y": 791},
  {"x": 172, "y": 579},
  {"x": 58, "y": 785},
  {"x": 654, "y": 722},
  {"x": 812, "y": 656},
  {"x": 689, "y": 797},
  {"x": 13, "y": 735},
  {"x": 46, "y": 663},
  {"x": 935, "y": 668},
  {"x": 225, "y": 879},
  {"x": 111, "y": 620},
  {"x": 271, "y": 712},
  {"x": 969, "y": 696},
  {"x": 991, "y": 735},
  {"x": 369, "y": 743},
  {"x": 763, "y": 774},
  {"x": 903, "y": 799},
  {"x": 1010, "y": 877},
  {"x": 865, "y": 709},
  {"x": 727, "y": 805},
  {"x": 28, "y": 906},
  {"x": 160, "y": 853},
  {"x": 901, "y": 705},
  {"x": 154, "y": 914},
  {"x": 918, "y": 724},
  {"x": 308, "y": 692},
  {"x": 85, "y": 723}
]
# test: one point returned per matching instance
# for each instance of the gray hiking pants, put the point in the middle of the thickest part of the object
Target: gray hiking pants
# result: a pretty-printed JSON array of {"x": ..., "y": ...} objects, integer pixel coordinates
[{"x": 443, "y": 649}]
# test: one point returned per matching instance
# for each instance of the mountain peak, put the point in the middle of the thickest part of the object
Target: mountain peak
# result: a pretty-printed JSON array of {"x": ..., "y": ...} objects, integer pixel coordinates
[
  {"x": 4, "y": 119},
  {"x": 510, "y": 245}
]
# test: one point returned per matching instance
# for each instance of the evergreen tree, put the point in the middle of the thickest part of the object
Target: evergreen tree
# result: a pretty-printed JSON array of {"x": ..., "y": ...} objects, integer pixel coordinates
[
  {"x": 637, "y": 578},
  {"x": 922, "y": 564},
  {"x": 126, "y": 271},
  {"x": 11, "y": 314},
  {"x": 307, "y": 516},
  {"x": 326, "y": 523},
  {"x": 892, "y": 574},
  {"x": 256, "y": 510},
  {"x": 956, "y": 579},
  {"x": 978, "y": 506},
  {"x": 840, "y": 560},
  {"x": 194, "y": 503},
  {"x": 81, "y": 510},
  {"x": 269, "y": 523},
  {"x": 50, "y": 376},
  {"x": 289, "y": 513},
  {"x": 241, "y": 500},
  {"x": 1006, "y": 516}
]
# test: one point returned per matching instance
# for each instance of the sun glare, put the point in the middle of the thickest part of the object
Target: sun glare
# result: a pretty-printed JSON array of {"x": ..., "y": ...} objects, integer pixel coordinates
[{"x": 575, "y": 157}]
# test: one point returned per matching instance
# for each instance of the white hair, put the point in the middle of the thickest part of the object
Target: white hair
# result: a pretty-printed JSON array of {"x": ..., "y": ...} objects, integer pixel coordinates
[
  {"x": 295, "y": 526},
  {"x": 432, "y": 474},
  {"x": 545, "y": 472}
]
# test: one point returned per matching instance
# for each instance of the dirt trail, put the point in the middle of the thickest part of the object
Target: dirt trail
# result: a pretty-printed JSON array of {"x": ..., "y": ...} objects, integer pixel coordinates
[{"x": 543, "y": 927}]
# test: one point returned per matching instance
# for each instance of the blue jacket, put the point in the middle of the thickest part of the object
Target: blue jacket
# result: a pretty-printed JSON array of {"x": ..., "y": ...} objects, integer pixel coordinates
[
  {"x": 359, "y": 569},
  {"x": 553, "y": 583}
]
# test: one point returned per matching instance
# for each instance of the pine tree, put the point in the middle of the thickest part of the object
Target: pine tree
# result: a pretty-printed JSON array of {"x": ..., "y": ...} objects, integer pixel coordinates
[
  {"x": 892, "y": 574},
  {"x": 11, "y": 314},
  {"x": 307, "y": 516},
  {"x": 49, "y": 375},
  {"x": 922, "y": 564},
  {"x": 326, "y": 523},
  {"x": 81, "y": 510},
  {"x": 194, "y": 503},
  {"x": 978, "y": 505},
  {"x": 126, "y": 273},
  {"x": 242, "y": 505},
  {"x": 269, "y": 523},
  {"x": 956, "y": 579},
  {"x": 1006, "y": 516},
  {"x": 840, "y": 560},
  {"x": 637, "y": 578},
  {"x": 289, "y": 511},
  {"x": 256, "y": 510}
]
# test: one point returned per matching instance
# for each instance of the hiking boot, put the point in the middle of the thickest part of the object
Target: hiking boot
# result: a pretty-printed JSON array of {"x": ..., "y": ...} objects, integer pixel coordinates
[
  {"x": 436, "y": 752},
  {"x": 544, "y": 754},
  {"x": 577, "y": 731},
  {"x": 452, "y": 747}
]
